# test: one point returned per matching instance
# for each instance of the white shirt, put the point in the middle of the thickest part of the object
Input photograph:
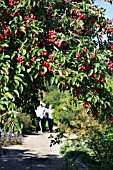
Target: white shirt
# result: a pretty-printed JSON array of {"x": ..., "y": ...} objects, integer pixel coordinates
[
  {"x": 40, "y": 111},
  {"x": 50, "y": 113}
]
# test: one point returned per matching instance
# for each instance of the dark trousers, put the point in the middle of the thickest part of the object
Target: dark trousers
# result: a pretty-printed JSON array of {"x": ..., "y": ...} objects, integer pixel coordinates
[
  {"x": 38, "y": 128},
  {"x": 50, "y": 122},
  {"x": 43, "y": 124}
]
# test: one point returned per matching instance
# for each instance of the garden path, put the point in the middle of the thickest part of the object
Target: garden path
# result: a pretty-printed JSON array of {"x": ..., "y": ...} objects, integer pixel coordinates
[{"x": 35, "y": 153}]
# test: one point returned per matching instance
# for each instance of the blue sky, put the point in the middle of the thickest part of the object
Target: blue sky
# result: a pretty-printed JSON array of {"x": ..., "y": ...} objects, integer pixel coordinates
[{"x": 107, "y": 6}]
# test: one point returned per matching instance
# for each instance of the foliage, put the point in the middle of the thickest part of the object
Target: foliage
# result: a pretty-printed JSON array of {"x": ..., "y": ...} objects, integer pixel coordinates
[
  {"x": 88, "y": 138},
  {"x": 54, "y": 42},
  {"x": 53, "y": 96},
  {"x": 71, "y": 153},
  {"x": 95, "y": 135},
  {"x": 87, "y": 135},
  {"x": 10, "y": 129},
  {"x": 9, "y": 138},
  {"x": 10, "y": 122},
  {"x": 26, "y": 121}
]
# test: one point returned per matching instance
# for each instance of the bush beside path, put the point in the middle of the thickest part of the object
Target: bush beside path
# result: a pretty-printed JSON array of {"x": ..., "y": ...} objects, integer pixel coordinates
[{"x": 35, "y": 153}]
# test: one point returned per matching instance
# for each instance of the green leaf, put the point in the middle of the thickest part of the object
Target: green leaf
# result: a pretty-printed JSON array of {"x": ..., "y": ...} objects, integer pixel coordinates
[
  {"x": 21, "y": 88},
  {"x": 10, "y": 105},
  {"x": 31, "y": 77},
  {"x": 8, "y": 95},
  {"x": 22, "y": 68},
  {"x": 6, "y": 78},
  {"x": 56, "y": 80},
  {"x": 73, "y": 22},
  {"x": 97, "y": 65},
  {"x": 23, "y": 29},
  {"x": 95, "y": 70},
  {"x": 34, "y": 51},
  {"x": 45, "y": 69},
  {"x": 5, "y": 45},
  {"x": 29, "y": 70},
  {"x": 22, "y": 3},
  {"x": 29, "y": 1},
  {"x": 101, "y": 101},
  {"x": 6, "y": 56},
  {"x": 52, "y": 80},
  {"x": 23, "y": 51},
  {"x": 6, "y": 88},
  {"x": 6, "y": 70},
  {"x": 18, "y": 65},
  {"x": 1, "y": 77},
  {"x": 90, "y": 72},
  {"x": 60, "y": 72},
  {"x": 30, "y": 35},
  {"x": 34, "y": 3},
  {"x": 89, "y": 99},
  {"x": 17, "y": 78},
  {"x": 16, "y": 92},
  {"x": 1, "y": 107},
  {"x": 16, "y": 83},
  {"x": 35, "y": 76},
  {"x": 7, "y": 64},
  {"x": 35, "y": 31},
  {"x": 12, "y": 56}
]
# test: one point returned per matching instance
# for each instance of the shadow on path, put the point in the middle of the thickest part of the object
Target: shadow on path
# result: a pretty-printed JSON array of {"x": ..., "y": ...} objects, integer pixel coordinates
[{"x": 13, "y": 159}]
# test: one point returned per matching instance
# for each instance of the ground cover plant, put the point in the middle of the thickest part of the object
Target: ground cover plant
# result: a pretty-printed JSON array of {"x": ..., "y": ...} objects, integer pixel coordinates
[
  {"x": 86, "y": 139},
  {"x": 10, "y": 129}
]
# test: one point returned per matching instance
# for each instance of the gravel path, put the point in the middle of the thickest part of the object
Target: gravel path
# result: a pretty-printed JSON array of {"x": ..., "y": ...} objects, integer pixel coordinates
[{"x": 35, "y": 153}]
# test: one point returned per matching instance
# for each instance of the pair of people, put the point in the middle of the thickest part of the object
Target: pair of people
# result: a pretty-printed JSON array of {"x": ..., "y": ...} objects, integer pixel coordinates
[{"x": 44, "y": 114}]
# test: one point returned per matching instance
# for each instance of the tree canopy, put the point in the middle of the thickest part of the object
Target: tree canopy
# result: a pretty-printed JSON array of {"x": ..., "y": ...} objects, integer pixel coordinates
[{"x": 55, "y": 42}]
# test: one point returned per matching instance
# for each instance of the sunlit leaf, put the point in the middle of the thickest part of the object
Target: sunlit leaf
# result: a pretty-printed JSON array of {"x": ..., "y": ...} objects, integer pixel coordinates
[{"x": 8, "y": 95}]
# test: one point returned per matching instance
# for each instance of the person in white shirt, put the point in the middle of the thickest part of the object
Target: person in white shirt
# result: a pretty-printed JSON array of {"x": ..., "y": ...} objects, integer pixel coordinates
[
  {"x": 39, "y": 115},
  {"x": 50, "y": 117},
  {"x": 45, "y": 118}
]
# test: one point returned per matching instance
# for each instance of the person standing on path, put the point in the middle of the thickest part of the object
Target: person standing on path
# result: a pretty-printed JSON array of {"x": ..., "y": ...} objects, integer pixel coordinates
[
  {"x": 39, "y": 116},
  {"x": 45, "y": 117},
  {"x": 50, "y": 117}
]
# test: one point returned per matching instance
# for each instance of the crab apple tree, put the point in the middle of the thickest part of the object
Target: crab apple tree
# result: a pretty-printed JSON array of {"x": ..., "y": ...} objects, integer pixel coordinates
[{"x": 55, "y": 42}]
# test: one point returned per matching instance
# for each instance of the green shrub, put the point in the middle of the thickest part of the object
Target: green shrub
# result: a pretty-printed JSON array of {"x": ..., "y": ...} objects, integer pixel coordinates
[
  {"x": 11, "y": 129},
  {"x": 91, "y": 134},
  {"x": 10, "y": 122},
  {"x": 26, "y": 120}
]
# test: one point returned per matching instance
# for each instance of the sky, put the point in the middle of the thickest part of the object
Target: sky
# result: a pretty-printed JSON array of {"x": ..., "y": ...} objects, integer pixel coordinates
[{"x": 107, "y": 6}]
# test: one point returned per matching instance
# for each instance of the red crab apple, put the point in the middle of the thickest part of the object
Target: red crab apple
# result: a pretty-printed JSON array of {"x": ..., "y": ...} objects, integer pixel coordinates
[
  {"x": 41, "y": 73},
  {"x": 111, "y": 120},
  {"x": 46, "y": 64},
  {"x": 52, "y": 57},
  {"x": 85, "y": 105},
  {"x": 94, "y": 75},
  {"x": 63, "y": 73},
  {"x": 42, "y": 54},
  {"x": 13, "y": 93},
  {"x": 60, "y": 29},
  {"x": 25, "y": 18},
  {"x": 78, "y": 56},
  {"x": 1, "y": 82},
  {"x": 33, "y": 58},
  {"x": 101, "y": 80},
  {"x": 50, "y": 69},
  {"x": 101, "y": 76}
]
